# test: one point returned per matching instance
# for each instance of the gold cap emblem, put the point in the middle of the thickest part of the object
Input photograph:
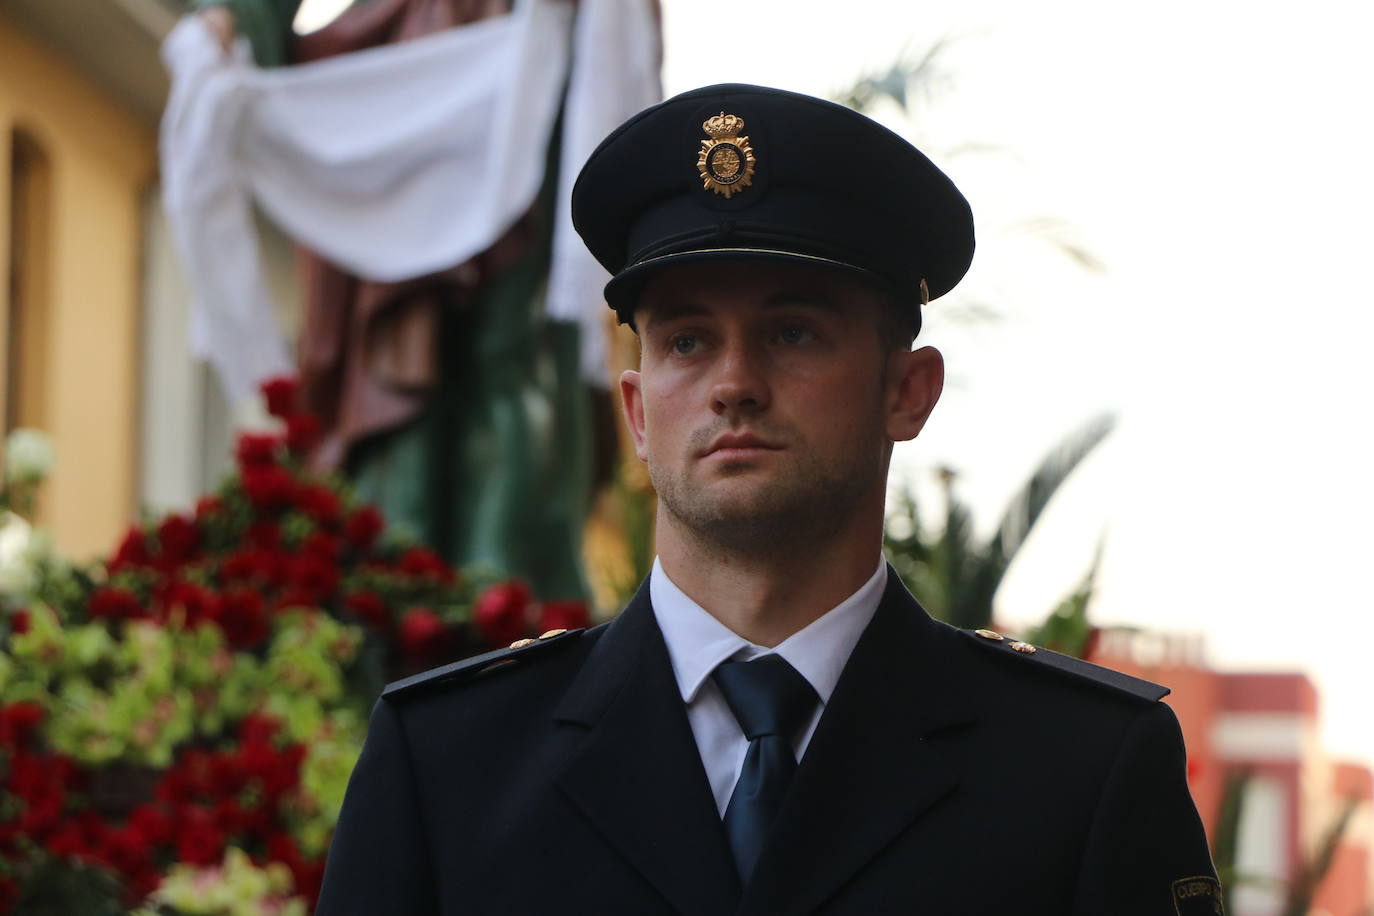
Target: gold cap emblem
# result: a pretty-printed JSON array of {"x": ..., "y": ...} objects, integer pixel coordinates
[
  {"x": 988, "y": 634},
  {"x": 1023, "y": 647},
  {"x": 726, "y": 161}
]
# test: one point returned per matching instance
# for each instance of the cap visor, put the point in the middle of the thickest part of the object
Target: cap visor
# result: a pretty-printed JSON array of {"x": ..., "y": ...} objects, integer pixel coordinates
[{"x": 622, "y": 293}]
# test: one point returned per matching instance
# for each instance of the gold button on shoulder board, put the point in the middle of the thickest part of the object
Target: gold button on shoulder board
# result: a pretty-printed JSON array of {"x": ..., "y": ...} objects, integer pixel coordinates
[
  {"x": 1022, "y": 647},
  {"x": 550, "y": 634},
  {"x": 522, "y": 643},
  {"x": 989, "y": 634}
]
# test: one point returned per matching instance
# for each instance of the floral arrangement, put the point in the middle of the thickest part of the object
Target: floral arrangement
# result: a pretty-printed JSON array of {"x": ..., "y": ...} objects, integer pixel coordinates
[{"x": 179, "y": 721}]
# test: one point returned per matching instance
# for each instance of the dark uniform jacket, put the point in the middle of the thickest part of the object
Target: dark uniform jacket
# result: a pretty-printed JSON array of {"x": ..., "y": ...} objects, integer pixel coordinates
[{"x": 949, "y": 774}]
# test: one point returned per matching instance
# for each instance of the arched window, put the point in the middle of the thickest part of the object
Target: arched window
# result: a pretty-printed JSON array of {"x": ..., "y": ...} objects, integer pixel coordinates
[{"x": 30, "y": 243}]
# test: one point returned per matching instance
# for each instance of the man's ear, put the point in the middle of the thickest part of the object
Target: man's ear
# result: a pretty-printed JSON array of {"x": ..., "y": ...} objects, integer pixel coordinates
[
  {"x": 914, "y": 381},
  {"x": 632, "y": 397}
]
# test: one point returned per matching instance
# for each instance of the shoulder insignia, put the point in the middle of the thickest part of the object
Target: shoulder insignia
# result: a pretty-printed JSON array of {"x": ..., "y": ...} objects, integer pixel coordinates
[
  {"x": 470, "y": 668},
  {"x": 996, "y": 642},
  {"x": 1200, "y": 895}
]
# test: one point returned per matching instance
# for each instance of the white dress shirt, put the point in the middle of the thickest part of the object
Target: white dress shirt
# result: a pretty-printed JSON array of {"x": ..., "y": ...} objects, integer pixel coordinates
[{"x": 698, "y": 642}]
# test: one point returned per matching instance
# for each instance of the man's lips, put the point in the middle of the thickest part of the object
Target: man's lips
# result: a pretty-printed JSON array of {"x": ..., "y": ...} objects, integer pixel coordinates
[{"x": 739, "y": 445}]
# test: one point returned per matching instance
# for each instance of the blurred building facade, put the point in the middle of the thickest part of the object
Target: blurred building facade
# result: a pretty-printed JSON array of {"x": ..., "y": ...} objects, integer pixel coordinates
[
  {"x": 94, "y": 338},
  {"x": 1264, "y": 726}
]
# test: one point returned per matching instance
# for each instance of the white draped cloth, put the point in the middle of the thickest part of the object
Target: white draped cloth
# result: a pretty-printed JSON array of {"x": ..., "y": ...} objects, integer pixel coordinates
[{"x": 392, "y": 162}]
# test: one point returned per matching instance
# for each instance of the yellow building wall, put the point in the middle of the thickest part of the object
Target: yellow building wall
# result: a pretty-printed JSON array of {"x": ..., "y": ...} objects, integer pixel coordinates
[{"x": 100, "y": 160}]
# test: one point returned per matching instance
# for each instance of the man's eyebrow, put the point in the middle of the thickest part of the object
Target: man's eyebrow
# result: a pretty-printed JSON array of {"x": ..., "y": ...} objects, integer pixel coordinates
[{"x": 671, "y": 311}]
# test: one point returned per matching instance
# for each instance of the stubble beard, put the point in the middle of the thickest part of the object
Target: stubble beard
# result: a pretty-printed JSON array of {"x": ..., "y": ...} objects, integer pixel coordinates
[{"x": 800, "y": 506}]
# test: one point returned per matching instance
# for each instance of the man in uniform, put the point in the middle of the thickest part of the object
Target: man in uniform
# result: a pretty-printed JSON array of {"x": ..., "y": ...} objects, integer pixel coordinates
[{"x": 773, "y": 725}]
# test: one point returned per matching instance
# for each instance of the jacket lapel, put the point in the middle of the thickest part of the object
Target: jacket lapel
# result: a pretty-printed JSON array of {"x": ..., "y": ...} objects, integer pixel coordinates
[
  {"x": 638, "y": 775},
  {"x": 883, "y": 753}
]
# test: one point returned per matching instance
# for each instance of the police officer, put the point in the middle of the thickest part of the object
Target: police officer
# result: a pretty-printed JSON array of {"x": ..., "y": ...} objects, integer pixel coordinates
[{"x": 773, "y": 725}]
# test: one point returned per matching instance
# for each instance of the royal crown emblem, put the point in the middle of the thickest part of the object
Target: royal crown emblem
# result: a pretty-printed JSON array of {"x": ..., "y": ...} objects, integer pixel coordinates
[{"x": 726, "y": 161}]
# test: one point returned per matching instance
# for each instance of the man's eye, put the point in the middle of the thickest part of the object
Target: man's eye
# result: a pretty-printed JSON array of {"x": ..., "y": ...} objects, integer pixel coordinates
[
  {"x": 683, "y": 344},
  {"x": 795, "y": 335}
]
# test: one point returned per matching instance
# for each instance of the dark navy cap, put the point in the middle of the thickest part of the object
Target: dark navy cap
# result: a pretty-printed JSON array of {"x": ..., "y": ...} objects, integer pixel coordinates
[{"x": 738, "y": 171}]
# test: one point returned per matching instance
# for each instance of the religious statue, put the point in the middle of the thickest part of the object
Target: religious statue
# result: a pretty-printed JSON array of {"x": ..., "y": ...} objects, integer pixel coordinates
[{"x": 452, "y": 399}]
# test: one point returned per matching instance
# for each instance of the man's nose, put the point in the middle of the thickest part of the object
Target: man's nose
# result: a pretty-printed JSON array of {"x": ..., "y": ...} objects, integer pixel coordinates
[{"x": 740, "y": 384}]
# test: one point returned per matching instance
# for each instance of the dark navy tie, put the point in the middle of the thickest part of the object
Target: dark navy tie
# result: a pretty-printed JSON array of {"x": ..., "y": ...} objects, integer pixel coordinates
[{"x": 771, "y": 703}]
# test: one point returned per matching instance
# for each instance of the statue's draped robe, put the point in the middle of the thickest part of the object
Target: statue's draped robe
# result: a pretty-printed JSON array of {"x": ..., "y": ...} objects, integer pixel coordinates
[{"x": 448, "y": 399}]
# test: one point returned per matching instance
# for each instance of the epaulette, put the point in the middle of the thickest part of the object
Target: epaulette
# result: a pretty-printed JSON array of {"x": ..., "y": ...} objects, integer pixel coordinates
[
  {"x": 469, "y": 668},
  {"x": 996, "y": 642}
]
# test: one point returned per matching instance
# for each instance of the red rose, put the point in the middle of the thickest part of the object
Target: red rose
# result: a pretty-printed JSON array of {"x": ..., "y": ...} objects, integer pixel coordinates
[
  {"x": 127, "y": 850},
  {"x": 243, "y": 618},
  {"x": 294, "y": 597},
  {"x": 152, "y": 823},
  {"x": 207, "y": 506},
  {"x": 227, "y": 775},
  {"x": 308, "y": 877},
  {"x": 362, "y": 527},
  {"x": 322, "y": 544},
  {"x": 142, "y": 885},
  {"x": 563, "y": 615},
  {"x": 18, "y": 722},
  {"x": 314, "y": 578},
  {"x": 132, "y": 550},
  {"x": 368, "y": 607},
  {"x": 319, "y": 502},
  {"x": 275, "y": 771},
  {"x": 261, "y": 568},
  {"x": 501, "y": 611},
  {"x": 302, "y": 432},
  {"x": 200, "y": 844},
  {"x": 258, "y": 728},
  {"x": 256, "y": 450},
  {"x": 282, "y": 393},
  {"x": 421, "y": 631},
  {"x": 264, "y": 534},
  {"x": 281, "y": 847},
  {"x": 268, "y": 487},
  {"x": 230, "y": 817},
  {"x": 27, "y": 774},
  {"x": 421, "y": 561},
  {"x": 192, "y": 773},
  {"x": 19, "y": 622},
  {"x": 42, "y": 811},
  {"x": 177, "y": 538},
  {"x": 114, "y": 603},
  {"x": 195, "y": 603},
  {"x": 67, "y": 841}
]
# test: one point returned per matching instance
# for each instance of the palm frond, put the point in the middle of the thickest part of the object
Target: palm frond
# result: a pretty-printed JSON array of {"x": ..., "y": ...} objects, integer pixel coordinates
[
  {"x": 1030, "y": 501},
  {"x": 1303, "y": 890}
]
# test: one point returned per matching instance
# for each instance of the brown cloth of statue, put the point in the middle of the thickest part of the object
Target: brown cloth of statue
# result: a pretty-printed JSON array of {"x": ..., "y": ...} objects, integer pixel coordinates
[{"x": 368, "y": 350}]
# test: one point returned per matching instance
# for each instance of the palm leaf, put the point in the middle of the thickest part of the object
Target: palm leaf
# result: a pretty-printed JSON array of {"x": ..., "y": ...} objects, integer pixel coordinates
[
  {"x": 975, "y": 610},
  {"x": 1311, "y": 872}
]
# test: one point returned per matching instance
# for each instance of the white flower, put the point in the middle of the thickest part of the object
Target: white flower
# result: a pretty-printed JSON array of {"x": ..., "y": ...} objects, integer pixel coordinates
[
  {"x": 16, "y": 560},
  {"x": 29, "y": 456}
]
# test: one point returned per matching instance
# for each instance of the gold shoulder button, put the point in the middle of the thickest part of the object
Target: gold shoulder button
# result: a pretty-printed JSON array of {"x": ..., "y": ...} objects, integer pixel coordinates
[
  {"x": 989, "y": 634},
  {"x": 522, "y": 643},
  {"x": 1023, "y": 647},
  {"x": 550, "y": 634}
]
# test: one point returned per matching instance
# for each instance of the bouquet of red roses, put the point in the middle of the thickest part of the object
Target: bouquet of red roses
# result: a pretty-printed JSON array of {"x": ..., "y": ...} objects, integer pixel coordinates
[{"x": 179, "y": 721}]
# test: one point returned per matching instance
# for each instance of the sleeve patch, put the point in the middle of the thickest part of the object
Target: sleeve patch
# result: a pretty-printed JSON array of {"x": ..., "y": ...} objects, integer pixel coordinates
[{"x": 1199, "y": 896}]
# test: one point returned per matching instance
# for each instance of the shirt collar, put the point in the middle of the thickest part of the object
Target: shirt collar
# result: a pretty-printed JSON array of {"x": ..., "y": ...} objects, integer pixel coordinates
[{"x": 698, "y": 642}]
